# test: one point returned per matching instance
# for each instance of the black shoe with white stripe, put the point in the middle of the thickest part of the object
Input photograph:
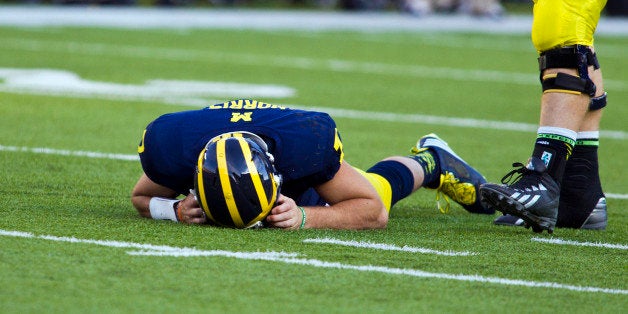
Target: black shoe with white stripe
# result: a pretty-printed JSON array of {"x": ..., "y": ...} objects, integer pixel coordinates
[
  {"x": 533, "y": 196},
  {"x": 597, "y": 220}
]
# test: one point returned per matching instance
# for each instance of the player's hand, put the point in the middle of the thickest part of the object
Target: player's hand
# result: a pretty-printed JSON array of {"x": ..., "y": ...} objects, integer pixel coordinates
[
  {"x": 285, "y": 214},
  {"x": 189, "y": 211}
]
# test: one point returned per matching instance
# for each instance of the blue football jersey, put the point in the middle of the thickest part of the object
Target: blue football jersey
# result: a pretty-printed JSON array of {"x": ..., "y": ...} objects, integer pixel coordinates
[{"x": 305, "y": 144}]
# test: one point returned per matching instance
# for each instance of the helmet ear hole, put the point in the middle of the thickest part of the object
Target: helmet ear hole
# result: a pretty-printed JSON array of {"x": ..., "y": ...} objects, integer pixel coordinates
[{"x": 236, "y": 181}]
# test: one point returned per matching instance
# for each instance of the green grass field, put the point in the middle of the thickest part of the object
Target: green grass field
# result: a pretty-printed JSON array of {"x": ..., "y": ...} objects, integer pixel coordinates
[{"x": 72, "y": 242}]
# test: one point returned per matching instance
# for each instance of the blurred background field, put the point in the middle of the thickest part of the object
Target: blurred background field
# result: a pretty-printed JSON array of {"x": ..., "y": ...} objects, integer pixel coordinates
[{"x": 481, "y": 8}]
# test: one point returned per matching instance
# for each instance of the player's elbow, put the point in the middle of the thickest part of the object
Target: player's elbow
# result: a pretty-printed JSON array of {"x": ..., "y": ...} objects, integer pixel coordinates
[
  {"x": 369, "y": 214},
  {"x": 141, "y": 205},
  {"x": 382, "y": 218},
  {"x": 379, "y": 218}
]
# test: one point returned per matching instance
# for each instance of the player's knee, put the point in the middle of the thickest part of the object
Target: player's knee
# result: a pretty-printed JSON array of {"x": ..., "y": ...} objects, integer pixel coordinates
[{"x": 579, "y": 58}]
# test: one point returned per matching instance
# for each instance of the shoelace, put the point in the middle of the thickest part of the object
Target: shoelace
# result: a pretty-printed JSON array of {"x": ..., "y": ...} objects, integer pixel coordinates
[
  {"x": 510, "y": 178},
  {"x": 451, "y": 187}
]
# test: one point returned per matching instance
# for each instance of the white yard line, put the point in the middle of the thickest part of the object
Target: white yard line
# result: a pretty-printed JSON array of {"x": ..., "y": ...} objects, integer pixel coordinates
[
  {"x": 64, "y": 152},
  {"x": 617, "y": 196},
  {"x": 387, "y": 247},
  {"x": 293, "y": 258},
  {"x": 576, "y": 243}
]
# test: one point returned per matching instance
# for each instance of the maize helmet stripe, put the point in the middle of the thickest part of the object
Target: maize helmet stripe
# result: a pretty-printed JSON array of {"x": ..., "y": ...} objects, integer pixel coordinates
[
  {"x": 255, "y": 178},
  {"x": 264, "y": 213},
  {"x": 227, "y": 191},
  {"x": 201, "y": 187},
  {"x": 273, "y": 199}
]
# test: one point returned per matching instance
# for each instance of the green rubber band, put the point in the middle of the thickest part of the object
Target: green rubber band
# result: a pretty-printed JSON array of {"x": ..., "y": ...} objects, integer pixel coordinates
[{"x": 302, "y": 221}]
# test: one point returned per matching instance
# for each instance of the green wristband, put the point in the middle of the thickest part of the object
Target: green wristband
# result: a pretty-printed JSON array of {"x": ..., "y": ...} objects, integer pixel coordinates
[{"x": 303, "y": 213}]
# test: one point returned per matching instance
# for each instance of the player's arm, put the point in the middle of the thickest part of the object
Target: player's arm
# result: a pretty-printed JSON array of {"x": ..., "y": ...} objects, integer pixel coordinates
[
  {"x": 156, "y": 201},
  {"x": 354, "y": 204}
]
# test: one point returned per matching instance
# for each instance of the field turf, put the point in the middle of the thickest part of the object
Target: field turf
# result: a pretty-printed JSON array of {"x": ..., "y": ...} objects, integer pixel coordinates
[{"x": 73, "y": 104}]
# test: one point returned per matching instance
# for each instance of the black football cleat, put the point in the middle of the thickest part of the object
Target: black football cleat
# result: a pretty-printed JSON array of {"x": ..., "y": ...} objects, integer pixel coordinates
[
  {"x": 533, "y": 196},
  {"x": 597, "y": 220},
  {"x": 509, "y": 220}
]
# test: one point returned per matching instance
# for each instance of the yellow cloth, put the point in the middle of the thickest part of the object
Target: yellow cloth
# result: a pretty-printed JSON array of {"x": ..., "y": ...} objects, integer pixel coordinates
[
  {"x": 559, "y": 23},
  {"x": 381, "y": 185}
]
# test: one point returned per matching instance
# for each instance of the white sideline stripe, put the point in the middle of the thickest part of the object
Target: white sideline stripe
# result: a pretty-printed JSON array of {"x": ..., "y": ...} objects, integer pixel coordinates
[
  {"x": 576, "y": 243},
  {"x": 63, "y": 152},
  {"x": 127, "y": 157},
  {"x": 291, "y": 258},
  {"x": 387, "y": 247}
]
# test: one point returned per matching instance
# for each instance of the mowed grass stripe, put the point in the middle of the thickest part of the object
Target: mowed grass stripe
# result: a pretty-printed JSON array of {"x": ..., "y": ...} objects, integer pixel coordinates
[
  {"x": 334, "y": 65},
  {"x": 133, "y": 157}
]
